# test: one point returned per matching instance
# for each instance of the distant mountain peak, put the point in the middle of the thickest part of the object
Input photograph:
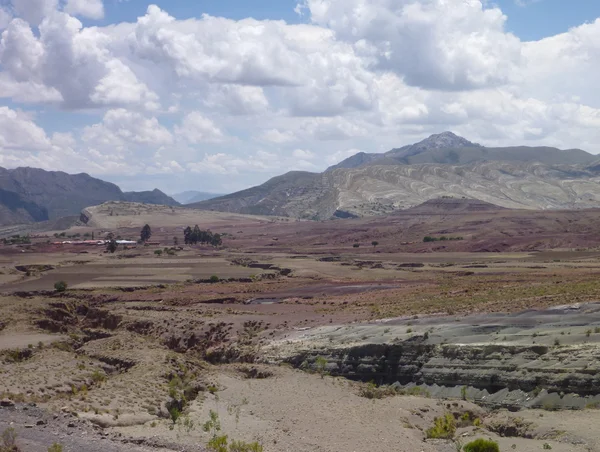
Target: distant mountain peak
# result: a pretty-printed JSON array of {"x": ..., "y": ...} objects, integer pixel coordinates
[{"x": 444, "y": 140}]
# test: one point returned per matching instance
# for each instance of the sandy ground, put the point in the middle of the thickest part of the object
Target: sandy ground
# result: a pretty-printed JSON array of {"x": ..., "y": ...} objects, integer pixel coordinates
[
  {"x": 295, "y": 411},
  {"x": 10, "y": 340},
  {"x": 36, "y": 430}
]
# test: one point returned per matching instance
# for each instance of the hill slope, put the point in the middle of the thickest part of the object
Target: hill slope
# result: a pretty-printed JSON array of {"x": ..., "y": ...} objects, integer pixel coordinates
[
  {"x": 149, "y": 197},
  {"x": 16, "y": 210},
  {"x": 61, "y": 194},
  {"x": 297, "y": 193},
  {"x": 375, "y": 184}
]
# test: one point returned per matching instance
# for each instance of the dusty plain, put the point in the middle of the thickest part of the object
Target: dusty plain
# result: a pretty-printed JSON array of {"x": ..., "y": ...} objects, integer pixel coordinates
[{"x": 305, "y": 341}]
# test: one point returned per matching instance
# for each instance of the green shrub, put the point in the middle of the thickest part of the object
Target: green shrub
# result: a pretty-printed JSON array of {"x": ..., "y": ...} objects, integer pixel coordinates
[
  {"x": 98, "y": 377},
  {"x": 321, "y": 365},
  {"x": 174, "y": 413},
  {"x": 60, "y": 286},
  {"x": 218, "y": 443},
  {"x": 443, "y": 427},
  {"x": 482, "y": 445},
  {"x": 55, "y": 448},
  {"x": 158, "y": 252},
  {"x": 372, "y": 391},
  {"x": 417, "y": 391},
  {"x": 214, "y": 279},
  {"x": 213, "y": 425},
  {"x": 240, "y": 446},
  {"x": 356, "y": 245}
]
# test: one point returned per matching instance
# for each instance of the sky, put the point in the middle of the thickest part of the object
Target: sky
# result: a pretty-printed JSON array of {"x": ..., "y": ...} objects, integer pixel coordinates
[{"x": 220, "y": 96}]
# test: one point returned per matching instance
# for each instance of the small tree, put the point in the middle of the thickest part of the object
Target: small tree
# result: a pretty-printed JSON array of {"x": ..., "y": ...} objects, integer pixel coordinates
[
  {"x": 356, "y": 245},
  {"x": 146, "y": 233},
  {"x": 158, "y": 252},
  {"x": 60, "y": 286},
  {"x": 216, "y": 240},
  {"x": 112, "y": 246},
  {"x": 374, "y": 243},
  {"x": 196, "y": 235},
  {"x": 187, "y": 236}
]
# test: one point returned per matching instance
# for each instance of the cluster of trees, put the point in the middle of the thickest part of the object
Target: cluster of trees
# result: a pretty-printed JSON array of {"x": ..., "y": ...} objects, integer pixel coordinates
[
  {"x": 73, "y": 236},
  {"x": 197, "y": 235},
  {"x": 440, "y": 239},
  {"x": 374, "y": 243},
  {"x": 17, "y": 240}
]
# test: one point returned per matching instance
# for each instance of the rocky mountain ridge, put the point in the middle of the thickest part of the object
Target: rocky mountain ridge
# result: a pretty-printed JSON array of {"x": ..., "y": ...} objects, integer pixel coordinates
[
  {"x": 442, "y": 165},
  {"x": 448, "y": 148}
]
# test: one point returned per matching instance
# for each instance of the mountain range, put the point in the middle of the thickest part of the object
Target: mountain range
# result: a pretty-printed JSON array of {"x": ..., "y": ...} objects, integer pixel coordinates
[
  {"x": 443, "y": 165},
  {"x": 32, "y": 195}
]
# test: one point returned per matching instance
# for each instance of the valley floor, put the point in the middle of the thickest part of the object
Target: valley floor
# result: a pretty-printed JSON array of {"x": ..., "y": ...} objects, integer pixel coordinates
[{"x": 140, "y": 349}]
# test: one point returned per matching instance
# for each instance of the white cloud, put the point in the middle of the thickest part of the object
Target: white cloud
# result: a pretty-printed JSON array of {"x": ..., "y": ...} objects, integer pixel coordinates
[
  {"x": 26, "y": 91},
  {"x": 120, "y": 86},
  {"x": 437, "y": 44},
  {"x": 196, "y": 128},
  {"x": 258, "y": 98},
  {"x": 237, "y": 99},
  {"x": 5, "y": 17},
  {"x": 337, "y": 128},
  {"x": 121, "y": 127},
  {"x": 260, "y": 161},
  {"x": 92, "y": 9},
  {"x": 21, "y": 53},
  {"x": 303, "y": 154},
  {"x": 215, "y": 163},
  {"x": 73, "y": 61},
  {"x": 277, "y": 136},
  {"x": 19, "y": 133},
  {"x": 338, "y": 156},
  {"x": 34, "y": 11}
]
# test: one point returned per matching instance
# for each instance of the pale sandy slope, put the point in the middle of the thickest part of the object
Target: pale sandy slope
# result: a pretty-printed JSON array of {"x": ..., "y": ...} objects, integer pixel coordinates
[
  {"x": 506, "y": 184},
  {"x": 298, "y": 412},
  {"x": 113, "y": 215}
]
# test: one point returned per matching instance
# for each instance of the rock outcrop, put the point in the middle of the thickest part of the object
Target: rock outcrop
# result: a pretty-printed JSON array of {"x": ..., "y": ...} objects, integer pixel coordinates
[{"x": 518, "y": 352}]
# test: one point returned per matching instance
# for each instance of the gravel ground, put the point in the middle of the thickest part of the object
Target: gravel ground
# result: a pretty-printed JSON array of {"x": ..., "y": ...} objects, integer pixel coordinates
[{"x": 37, "y": 430}]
